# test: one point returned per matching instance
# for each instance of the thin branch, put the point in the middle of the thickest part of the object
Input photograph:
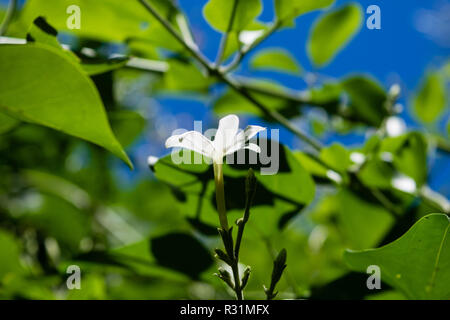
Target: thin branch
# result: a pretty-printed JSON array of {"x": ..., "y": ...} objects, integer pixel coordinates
[
  {"x": 8, "y": 17},
  {"x": 166, "y": 24},
  {"x": 242, "y": 53},
  {"x": 224, "y": 40}
]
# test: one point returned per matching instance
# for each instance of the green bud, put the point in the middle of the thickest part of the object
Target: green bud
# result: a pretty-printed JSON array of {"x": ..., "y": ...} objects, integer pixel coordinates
[{"x": 245, "y": 277}]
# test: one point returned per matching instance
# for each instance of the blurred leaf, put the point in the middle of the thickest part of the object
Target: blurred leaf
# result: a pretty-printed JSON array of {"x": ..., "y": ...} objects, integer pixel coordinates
[
  {"x": 409, "y": 155},
  {"x": 349, "y": 213},
  {"x": 95, "y": 67},
  {"x": 275, "y": 59},
  {"x": 127, "y": 125},
  {"x": 336, "y": 156},
  {"x": 367, "y": 99},
  {"x": 43, "y": 33},
  {"x": 431, "y": 99},
  {"x": 417, "y": 264},
  {"x": 219, "y": 12},
  {"x": 377, "y": 173},
  {"x": 46, "y": 88},
  {"x": 233, "y": 102},
  {"x": 60, "y": 187},
  {"x": 103, "y": 20},
  {"x": 9, "y": 255},
  {"x": 7, "y": 123},
  {"x": 288, "y": 10},
  {"x": 184, "y": 77},
  {"x": 332, "y": 32},
  {"x": 93, "y": 287},
  {"x": 181, "y": 252}
]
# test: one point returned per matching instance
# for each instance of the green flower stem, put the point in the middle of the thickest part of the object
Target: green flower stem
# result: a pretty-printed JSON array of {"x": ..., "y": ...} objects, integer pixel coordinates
[{"x": 220, "y": 196}]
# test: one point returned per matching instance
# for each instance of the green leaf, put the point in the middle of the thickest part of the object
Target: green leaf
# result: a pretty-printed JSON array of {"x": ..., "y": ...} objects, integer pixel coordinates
[
  {"x": 275, "y": 59},
  {"x": 104, "y": 20},
  {"x": 288, "y": 10},
  {"x": 219, "y": 12},
  {"x": 96, "y": 67},
  {"x": 409, "y": 155},
  {"x": 45, "y": 87},
  {"x": 336, "y": 156},
  {"x": 417, "y": 264},
  {"x": 184, "y": 76},
  {"x": 233, "y": 102},
  {"x": 9, "y": 255},
  {"x": 367, "y": 100},
  {"x": 7, "y": 123},
  {"x": 181, "y": 252},
  {"x": 127, "y": 125},
  {"x": 431, "y": 98},
  {"x": 332, "y": 32}
]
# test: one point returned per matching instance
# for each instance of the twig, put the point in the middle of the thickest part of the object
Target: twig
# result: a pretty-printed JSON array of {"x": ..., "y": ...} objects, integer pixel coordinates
[
  {"x": 224, "y": 40},
  {"x": 241, "y": 55},
  {"x": 8, "y": 17}
]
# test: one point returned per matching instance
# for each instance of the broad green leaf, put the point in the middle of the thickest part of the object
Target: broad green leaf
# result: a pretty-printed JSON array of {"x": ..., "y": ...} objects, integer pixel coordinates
[
  {"x": 104, "y": 20},
  {"x": 359, "y": 224},
  {"x": 7, "y": 123},
  {"x": 43, "y": 33},
  {"x": 219, "y": 12},
  {"x": 332, "y": 32},
  {"x": 45, "y": 87},
  {"x": 417, "y": 264},
  {"x": 288, "y": 10},
  {"x": 367, "y": 100},
  {"x": 275, "y": 59},
  {"x": 431, "y": 98}
]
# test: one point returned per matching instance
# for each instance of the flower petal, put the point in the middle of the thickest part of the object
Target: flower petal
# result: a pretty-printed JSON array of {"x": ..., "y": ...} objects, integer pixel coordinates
[
  {"x": 191, "y": 140},
  {"x": 226, "y": 133},
  {"x": 249, "y": 133},
  {"x": 242, "y": 137},
  {"x": 253, "y": 147}
]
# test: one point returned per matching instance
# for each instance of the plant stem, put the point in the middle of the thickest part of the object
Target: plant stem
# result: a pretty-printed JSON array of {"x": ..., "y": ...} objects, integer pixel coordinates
[
  {"x": 166, "y": 24},
  {"x": 240, "y": 56},
  {"x": 220, "y": 196},
  {"x": 224, "y": 40},
  {"x": 8, "y": 17}
]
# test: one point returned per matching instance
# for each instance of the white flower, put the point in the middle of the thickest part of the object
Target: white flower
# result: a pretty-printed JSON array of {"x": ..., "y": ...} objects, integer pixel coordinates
[{"x": 227, "y": 140}]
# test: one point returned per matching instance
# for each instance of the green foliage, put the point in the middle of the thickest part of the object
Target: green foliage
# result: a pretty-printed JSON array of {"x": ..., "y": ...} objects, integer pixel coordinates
[
  {"x": 431, "y": 98},
  {"x": 67, "y": 101},
  {"x": 417, "y": 264},
  {"x": 219, "y": 12},
  {"x": 288, "y": 10},
  {"x": 275, "y": 59},
  {"x": 332, "y": 32},
  {"x": 66, "y": 111}
]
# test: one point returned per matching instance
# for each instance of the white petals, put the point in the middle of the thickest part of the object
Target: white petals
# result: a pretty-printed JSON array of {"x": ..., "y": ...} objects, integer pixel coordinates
[
  {"x": 249, "y": 133},
  {"x": 191, "y": 140},
  {"x": 226, "y": 133},
  {"x": 227, "y": 140},
  {"x": 253, "y": 147}
]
